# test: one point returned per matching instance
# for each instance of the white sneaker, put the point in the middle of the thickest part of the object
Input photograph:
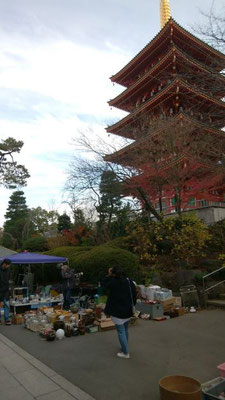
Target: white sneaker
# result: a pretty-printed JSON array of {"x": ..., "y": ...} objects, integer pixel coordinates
[{"x": 122, "y": 355}]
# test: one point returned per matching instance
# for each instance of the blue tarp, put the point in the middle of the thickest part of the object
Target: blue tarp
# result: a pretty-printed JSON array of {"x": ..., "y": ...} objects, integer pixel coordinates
[{"x": 33, "y": 258}]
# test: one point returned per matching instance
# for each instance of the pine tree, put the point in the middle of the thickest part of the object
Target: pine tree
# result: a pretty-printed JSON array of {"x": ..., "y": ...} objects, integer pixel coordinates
[
  {"x": 16, "y": 227},
  {"x": 110, "y": 197},
  {"x": 64, "y": 222}
]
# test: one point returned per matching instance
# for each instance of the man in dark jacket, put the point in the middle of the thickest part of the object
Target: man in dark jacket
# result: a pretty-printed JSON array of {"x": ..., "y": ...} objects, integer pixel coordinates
[
  {"x": 120, "y": 303},
  {"x": 68, "y": 284},
  {"x": 4, "y": 288}
]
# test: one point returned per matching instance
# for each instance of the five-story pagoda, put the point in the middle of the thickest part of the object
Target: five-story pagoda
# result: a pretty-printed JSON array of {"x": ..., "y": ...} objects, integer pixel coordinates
[{"x": 175, "y": 78}]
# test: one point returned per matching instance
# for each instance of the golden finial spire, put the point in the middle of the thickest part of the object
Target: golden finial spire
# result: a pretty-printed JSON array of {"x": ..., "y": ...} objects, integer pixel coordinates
[{"x": 164, "y": 12}]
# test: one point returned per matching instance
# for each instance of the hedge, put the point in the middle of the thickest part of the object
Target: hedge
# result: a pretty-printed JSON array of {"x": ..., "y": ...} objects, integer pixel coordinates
[
  {"x": 123, "y": 242},
  {"x": 95, "y": 261},
  {"x": 68, "y": 251}
]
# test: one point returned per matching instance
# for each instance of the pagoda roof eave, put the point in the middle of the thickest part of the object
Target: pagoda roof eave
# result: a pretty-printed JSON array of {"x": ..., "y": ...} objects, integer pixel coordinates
[
  {"x": 185, "y": 156},
  {"x": 174, "y": 50},
  {"x": 178, "y": 117},
  {"x": 118, "y": 77},
  {"x": 174, "y": 84}
]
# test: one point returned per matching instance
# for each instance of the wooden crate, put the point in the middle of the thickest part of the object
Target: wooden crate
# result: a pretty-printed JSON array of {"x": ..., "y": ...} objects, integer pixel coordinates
[
  {"x": 105, "y": 324},
  {"x": 179, "y": 311},
  {"x": 167, "y": 304}
]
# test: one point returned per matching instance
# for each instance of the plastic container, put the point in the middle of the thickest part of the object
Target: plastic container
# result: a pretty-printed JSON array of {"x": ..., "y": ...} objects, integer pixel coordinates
[
  {"x": 143, "y": 291},
  {"x": 221, "y": 368},
  {"x": 215, "y": 391},
  {"x": 207, "y": 386},
  {"x": 150, "y": 291},
  {"x": 178, "y": 387},
  {"x": 163, "y": 294}
]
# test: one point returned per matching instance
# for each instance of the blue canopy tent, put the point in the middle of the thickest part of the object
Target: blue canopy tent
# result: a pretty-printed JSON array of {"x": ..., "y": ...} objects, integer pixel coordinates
[
  {"x": 33, "y": 258},
  {"x": 27, "y": 258}
]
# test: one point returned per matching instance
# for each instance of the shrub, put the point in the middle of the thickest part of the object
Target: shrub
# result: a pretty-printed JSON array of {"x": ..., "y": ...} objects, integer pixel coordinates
[
  {"x": 68, "y": 251},
  {"x": 51, "y": 272},
  {"x": 123, "y": 242},
  {"x": 210, "y": 265},
  {"x": 217, "y": 241},
  {"x": 95, "y": 263},
  {"x": 57, "y": 241},
  {"x": 183, "y": 239},
  {"x": 36, "y": 243}
]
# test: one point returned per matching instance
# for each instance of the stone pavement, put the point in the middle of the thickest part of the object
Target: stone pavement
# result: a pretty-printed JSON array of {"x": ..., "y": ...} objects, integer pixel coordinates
[
  {"x": 23, "y": 377},
  {"x": 192, "y": 345}
]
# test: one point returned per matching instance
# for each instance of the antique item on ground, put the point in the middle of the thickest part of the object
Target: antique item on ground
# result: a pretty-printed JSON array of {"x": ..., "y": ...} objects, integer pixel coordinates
[
  {"x": 189, "y": 295},
  {"x": 60, "y": 334},
  {"x": 214, "y": 389},
  {"x": 179, "y": 388},
  {"x": 154, "y": 309},
  {"x": 221, "y": 368}
]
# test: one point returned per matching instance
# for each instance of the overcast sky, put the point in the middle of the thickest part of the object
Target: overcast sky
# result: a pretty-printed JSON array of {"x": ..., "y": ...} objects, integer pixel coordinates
[{"x": 56, "y": 58}]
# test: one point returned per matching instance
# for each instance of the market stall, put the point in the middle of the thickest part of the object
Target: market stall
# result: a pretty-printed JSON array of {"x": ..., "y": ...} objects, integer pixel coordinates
[
  {"x": 43, "y": 311},
  {"x": 33, "y": 258},
  {"x": 23, "y": 300}
]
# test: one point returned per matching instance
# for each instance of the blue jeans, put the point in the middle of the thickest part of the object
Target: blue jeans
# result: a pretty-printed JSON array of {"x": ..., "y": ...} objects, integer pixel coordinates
[
  {"x": 122, "y": 331},
  {"x": 6, "y": 309}
]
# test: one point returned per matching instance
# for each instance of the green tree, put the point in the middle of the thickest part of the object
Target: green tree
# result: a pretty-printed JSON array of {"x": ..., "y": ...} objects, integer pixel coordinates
[
  {"x": 110, "y": 200},
  {"x": 36, "y": 243},
  {"x": 44, "y": 220},
  {"x": 120, "y": 224},
  {"x": 64, "y": 222},
  {"x": 12, "y": 174},
  {"x": 79, "y": 218},
  {"x": 17, "y": 226}
]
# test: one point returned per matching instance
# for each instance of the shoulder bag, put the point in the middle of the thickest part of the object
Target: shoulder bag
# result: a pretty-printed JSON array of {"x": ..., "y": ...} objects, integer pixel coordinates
[{"x": 133, "y": 306}]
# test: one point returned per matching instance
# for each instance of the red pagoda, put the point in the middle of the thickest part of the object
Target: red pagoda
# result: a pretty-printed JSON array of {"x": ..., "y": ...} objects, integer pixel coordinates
[{"x": 175, "y": 79}]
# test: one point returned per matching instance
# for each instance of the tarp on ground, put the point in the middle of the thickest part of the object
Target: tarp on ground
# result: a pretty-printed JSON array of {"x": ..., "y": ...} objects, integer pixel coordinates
[
  {"x": 33, "y": 258},
  {"x": 4, "y": 252}
]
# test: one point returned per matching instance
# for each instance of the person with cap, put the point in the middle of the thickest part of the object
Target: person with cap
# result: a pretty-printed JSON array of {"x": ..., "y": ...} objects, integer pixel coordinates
[
  {"x": 68, "y": 277},
  {"x": 4, "y": 288}
]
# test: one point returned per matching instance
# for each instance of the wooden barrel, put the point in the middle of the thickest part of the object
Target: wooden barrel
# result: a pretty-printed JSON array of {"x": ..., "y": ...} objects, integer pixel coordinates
[{"x": 178, "y": 387}]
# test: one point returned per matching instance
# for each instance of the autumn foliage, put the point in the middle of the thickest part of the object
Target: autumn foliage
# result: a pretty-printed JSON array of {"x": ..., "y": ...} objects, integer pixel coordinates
[
  {"x": 75, "y": 237},
  {"x": 182, "y": 239}
]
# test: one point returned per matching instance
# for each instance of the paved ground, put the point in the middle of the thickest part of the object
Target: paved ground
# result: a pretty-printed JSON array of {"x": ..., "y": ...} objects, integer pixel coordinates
[
  {"x": 23, "y": 377},
  {"x": 192, "y": 345}
]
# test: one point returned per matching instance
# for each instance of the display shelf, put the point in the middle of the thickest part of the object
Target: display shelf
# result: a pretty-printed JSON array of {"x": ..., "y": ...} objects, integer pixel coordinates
[{"x": 33, "y": 305}]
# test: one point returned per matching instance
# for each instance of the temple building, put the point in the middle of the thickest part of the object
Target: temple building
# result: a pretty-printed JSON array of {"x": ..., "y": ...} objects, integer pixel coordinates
[{"x": 175, "y": 81}]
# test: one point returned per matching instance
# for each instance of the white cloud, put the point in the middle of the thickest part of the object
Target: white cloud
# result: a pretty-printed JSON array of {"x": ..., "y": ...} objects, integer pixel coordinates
[{"x": 63, "y": 71}]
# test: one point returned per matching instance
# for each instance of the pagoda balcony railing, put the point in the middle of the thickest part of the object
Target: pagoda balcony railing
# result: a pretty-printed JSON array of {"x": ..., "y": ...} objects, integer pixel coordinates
[
  {"x": 206, "y": 119},
  {"x": 162, "y": 86}
]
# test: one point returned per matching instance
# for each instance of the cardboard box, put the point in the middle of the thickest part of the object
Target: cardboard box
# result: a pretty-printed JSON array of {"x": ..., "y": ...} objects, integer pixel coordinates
[
  {"x": 179, "y": 311},
  {"x": 105, "y": 324},
  {"x": 168, "y": 303}
]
